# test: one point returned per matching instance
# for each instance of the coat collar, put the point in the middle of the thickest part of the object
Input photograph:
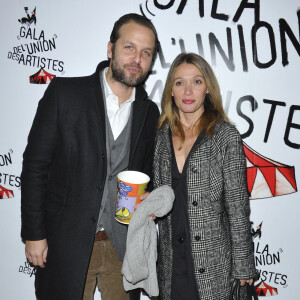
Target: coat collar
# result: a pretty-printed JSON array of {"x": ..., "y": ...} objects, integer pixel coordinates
[{"x": 165, "y": 128}]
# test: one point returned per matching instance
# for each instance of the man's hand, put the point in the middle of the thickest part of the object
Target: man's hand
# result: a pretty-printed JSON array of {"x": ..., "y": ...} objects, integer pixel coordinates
[
  {"x": 36, "y": 252},
  {"x": 243, "y": 281}
]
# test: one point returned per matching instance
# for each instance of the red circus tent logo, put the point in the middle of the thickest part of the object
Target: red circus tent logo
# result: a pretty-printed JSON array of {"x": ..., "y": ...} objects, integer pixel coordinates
[
  {"x": 41, "y": 77},
  {"x": 5, "y": 193},
  {"x": 268, "y": 178},
  {"x": 265, "y": 290}
]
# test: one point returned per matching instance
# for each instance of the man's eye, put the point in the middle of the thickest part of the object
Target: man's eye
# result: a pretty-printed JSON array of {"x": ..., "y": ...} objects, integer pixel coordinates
[
  {"x": 128, "y": 47},
  {"x": 147, "y": 53}
]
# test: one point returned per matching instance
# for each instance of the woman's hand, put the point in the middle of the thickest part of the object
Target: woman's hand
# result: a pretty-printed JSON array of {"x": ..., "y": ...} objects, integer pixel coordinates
[
  {"x": 152, "y": 217},
  {"x": 243, "y": 281},
  {"x": 143, "y": 197}
]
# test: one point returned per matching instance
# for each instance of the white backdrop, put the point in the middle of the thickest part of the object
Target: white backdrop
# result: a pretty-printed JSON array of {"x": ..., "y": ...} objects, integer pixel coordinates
[{"x": 254, "y": 49}]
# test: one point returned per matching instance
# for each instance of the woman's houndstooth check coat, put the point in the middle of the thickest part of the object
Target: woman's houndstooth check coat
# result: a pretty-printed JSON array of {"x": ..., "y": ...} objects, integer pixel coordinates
[{"x": 218, "y": 212}]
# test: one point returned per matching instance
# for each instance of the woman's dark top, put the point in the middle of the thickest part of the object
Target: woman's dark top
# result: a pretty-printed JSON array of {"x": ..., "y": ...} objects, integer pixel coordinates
[{"x": 183, "y": 280}]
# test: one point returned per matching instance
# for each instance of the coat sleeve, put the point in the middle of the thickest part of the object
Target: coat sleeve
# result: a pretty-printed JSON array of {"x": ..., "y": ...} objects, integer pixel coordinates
[
  {"x": 238, "y": 207},
  {"x": 42, "y": 141}
]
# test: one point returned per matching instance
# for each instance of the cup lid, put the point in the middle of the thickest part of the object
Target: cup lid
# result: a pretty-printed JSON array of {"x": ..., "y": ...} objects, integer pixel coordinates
[{"x": 133, "y": 177}]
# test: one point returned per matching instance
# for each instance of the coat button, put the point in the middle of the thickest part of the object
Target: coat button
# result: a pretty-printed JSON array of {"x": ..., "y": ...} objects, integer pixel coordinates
[
  {"x": 180, "y": 240},
  {"x": 93, "y": 220},
  {"x": 197, "y": 238},
  {"x": 195, "y": 203},
  {"x": 99, "y": 189},
  {"x": 194, "y": 169},
  {"x": 202, "y": 270},
  {"x": 103, "y": 156}
]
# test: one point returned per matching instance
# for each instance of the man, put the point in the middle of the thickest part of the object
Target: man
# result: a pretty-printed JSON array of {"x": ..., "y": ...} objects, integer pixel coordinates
[{"x": 85, "y": 131}]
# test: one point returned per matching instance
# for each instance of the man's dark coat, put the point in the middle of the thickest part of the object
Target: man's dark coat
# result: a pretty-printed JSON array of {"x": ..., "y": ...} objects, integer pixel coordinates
[{"x": 64, "y": 171}]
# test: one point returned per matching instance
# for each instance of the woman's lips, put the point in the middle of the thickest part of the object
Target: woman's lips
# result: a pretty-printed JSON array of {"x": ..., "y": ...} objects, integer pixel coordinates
[{"x": 188, "y": 101}]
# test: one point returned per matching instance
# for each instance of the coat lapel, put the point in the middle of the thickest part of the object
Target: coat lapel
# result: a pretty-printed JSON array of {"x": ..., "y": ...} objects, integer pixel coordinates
[
  {"x": 97, "y": 94},
  {"x": 98, "y": 99},
  {"x": 140, "y": 110}
]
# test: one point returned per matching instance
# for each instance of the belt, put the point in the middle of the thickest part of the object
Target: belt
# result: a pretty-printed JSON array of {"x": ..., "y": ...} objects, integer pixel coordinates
[{"x": 100, "y": 236}]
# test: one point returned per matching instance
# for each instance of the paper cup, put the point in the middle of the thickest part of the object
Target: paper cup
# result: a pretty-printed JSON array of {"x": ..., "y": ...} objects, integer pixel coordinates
[{"x": 131, "y": 185}]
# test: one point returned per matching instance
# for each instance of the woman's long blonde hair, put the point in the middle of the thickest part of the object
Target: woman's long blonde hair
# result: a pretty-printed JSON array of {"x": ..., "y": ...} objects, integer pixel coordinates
[{"x": 213, "y": 108}]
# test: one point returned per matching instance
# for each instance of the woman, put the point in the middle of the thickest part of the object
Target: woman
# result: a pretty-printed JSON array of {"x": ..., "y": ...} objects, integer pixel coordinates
[{"x": 205, "y": 241}]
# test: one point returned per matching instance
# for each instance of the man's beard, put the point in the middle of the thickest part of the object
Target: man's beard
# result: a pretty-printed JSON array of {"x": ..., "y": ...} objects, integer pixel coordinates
[{"x": 118, "y": 73}]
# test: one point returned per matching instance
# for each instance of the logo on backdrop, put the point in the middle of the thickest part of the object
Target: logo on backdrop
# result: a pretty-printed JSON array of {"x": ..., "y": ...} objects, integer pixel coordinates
[
  {"x": 33, "y": 48},
  {"x": 267, "y": 178},
  {"x": 8, "y": 182},
  {"x": 30, "y": 18},
  {"x": 288, "y": 38},
  {"x": 240, "y": 46},
  {"x": 27, "y": 269},
  {"x": 267, "y": 261}
]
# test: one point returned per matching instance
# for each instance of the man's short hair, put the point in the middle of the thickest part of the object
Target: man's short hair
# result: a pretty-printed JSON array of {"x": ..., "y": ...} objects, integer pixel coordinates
[{"x": 138, "y": 19}]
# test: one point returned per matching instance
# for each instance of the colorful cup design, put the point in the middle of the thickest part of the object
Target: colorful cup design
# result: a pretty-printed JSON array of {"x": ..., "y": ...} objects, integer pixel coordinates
[{"x": 131, "y": 185}]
